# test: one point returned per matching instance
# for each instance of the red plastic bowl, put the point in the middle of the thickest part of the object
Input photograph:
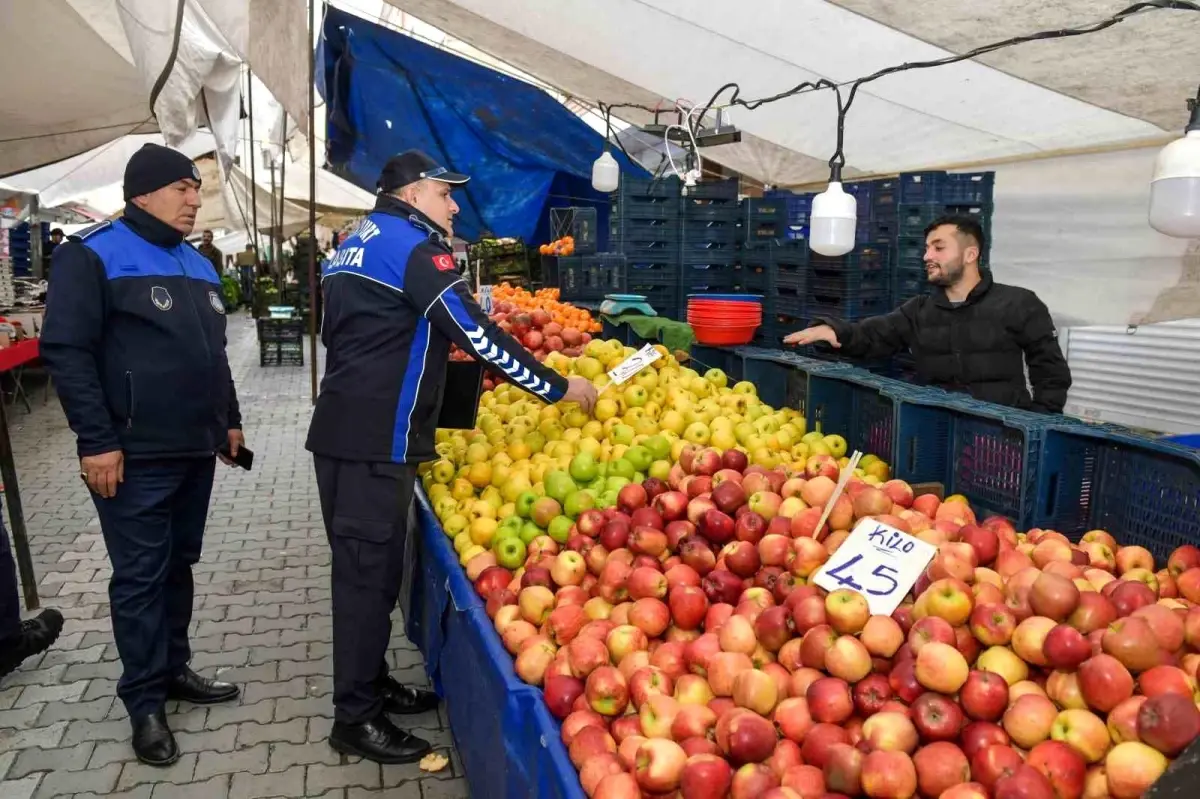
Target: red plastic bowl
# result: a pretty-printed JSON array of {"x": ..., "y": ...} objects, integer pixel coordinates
[{"x": 724, "y": 335}]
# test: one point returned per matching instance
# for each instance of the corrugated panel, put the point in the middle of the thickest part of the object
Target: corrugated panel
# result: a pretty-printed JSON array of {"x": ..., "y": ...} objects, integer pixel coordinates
[{"x": 1146, "y": 377}]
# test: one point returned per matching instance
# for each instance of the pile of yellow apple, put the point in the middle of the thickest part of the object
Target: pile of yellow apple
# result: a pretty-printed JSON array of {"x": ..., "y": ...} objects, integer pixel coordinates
[{"x": 489, "y": 480}]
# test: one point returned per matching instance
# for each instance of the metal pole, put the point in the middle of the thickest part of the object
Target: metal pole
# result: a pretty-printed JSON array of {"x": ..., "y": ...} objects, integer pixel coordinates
[
  {"x": 252, "y": 149},
  {"x": 279, "y": 216},
  {"x": 16, "y": 516},
  {"x": 313, "y": 286},
  {"x": 274, "y": 249}
]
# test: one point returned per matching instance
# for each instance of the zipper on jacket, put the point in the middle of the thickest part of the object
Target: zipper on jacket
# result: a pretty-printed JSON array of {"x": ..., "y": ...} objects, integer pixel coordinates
[{"x": 129, "y": 400}]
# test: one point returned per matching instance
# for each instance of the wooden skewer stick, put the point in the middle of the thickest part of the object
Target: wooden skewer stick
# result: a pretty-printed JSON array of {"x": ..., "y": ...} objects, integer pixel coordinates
[{"x": 837, "y": 491}]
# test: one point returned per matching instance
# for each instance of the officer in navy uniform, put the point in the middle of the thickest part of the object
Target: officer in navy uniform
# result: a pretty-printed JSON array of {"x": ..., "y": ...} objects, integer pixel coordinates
[
  {"x": 134, "y": 339},
  {"x": 394, "y": 303}
]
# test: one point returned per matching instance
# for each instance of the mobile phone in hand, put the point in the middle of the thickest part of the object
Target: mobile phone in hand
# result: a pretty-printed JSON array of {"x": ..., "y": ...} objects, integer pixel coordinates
[{"x": 245, "y": 457}]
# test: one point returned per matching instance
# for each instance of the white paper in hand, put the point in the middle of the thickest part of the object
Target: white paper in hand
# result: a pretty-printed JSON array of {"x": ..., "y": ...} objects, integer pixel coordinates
[{"x": 879, "y": 562}]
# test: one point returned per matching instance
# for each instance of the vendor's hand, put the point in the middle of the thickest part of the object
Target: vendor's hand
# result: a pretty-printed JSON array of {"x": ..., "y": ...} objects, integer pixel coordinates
[
  {"x": 103, "y": 472},
  {"x": 581, "y": 390},
  {"x": 236, "y": 440},
  {"x": 802, "y": 338}
]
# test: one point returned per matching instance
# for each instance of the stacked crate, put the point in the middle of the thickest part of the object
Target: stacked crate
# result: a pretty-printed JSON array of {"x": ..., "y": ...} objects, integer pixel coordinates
[
  {"x": 588, "y": 278},
  {"x": 644, "y": 228},
  {"x": 851, "y": 286},
  {"x": 921, "y": 198},
  {"x": 778, "y": 271},
  {"x": 709, "y": 240}
]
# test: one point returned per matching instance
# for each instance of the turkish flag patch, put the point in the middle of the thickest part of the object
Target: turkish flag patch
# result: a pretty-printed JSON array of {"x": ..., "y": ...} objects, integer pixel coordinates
[{"x": 444, "y": 263}]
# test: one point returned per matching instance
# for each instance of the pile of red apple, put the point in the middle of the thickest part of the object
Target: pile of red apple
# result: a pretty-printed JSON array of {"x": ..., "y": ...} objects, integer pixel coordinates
[
  {"x": 680, "y": 642},
  {"x": 536, "y": 331}
]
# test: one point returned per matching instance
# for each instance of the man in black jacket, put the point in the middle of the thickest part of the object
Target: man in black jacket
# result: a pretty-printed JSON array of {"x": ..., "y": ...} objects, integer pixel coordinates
[
  {"x": 971, "y": 334},
  {"x": 394, "y": 302},
  {"x": 135, "y": 341}
]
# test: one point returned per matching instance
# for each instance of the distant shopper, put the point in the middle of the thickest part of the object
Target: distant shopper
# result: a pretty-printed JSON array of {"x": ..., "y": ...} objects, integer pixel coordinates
[
  {"x": 20, "y": 640},
  {"x": 135, "y": 341},
  {"x": 210, "y": 251},
  {"x": 971, "y": 334}
]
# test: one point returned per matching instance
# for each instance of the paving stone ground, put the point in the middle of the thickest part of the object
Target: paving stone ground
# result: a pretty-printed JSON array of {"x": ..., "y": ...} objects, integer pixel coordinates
[{"x": 261, "y": 619}]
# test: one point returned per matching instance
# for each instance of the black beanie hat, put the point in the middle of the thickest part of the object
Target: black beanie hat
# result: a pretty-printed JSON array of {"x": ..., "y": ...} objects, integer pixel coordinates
[{"x": 155, "y": 166}]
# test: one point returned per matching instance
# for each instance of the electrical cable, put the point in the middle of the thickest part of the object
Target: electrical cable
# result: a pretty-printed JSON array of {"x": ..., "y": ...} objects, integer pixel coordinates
[{"x": 838, "y": 160}]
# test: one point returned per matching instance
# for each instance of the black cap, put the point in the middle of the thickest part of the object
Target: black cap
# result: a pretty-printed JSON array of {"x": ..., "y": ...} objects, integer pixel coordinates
[
  {"x": 155, "y": 166},
  {"x": 411, "y": 166}
]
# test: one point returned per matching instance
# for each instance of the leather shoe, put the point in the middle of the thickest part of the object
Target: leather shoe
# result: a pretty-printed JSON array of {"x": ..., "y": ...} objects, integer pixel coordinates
[
  {"x": 188, "y": 686},
  {"x": 379, "y": 740},
  {"x": 404, "y": 700},
  {"x": 153, "y": 742}
]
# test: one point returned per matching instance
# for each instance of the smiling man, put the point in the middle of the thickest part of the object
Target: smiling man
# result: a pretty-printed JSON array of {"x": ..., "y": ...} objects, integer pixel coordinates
[
  {"x": 134, "y": 338},
  {"x": 970, "y": 334}
]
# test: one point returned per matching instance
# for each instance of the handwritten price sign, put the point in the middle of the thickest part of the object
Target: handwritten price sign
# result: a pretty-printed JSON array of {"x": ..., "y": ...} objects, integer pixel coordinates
[{"x": 879, "y": 562}]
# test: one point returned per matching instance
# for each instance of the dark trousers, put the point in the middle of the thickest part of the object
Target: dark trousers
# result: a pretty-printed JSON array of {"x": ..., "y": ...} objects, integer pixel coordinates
[
  {"x": 153, "y": 528},
  {"x": 10, "y": 594},
  {"x": 365, "y": 507}
]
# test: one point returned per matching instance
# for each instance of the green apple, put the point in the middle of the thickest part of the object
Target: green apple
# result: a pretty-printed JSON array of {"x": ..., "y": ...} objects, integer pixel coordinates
[
  {"x": 559, "y": 484},
  {"x": 621, "y": 434},
  {"x": 615, "y": 483},
  {"x": 510, "y": 552},
  {"x": 608, "y": 499},
  {"x": 658, "y": 446},
  {"x": 837, "y": 445},
  {"x": 660, "y": 469},
  {"x": 560, "y": 529},
  {"x": 530, "y": 531},
  {"x": 717, "y": 378},
  {"x": 621, "y": 468},
  {"x": 635, "y": 396},
  {"x": 524, "y": 504},
  {"x": 745, "y": 387},
  {"x": 639, "y": 456},
  {"x": 577, "y": 502},
  {"x": 583, "y": 468}
]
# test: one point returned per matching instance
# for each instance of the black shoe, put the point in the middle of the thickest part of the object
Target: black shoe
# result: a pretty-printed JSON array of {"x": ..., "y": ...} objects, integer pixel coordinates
[
  {"x": 404, "y": 700},
  {"x": 379, "y": 740},
  {"x": 153, "y": 742},
  {"x": 188, "y": 686},
  {"x": 35, "y": 636}
]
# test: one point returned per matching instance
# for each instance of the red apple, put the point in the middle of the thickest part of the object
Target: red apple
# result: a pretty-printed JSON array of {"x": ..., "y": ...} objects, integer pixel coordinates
[
  {"x": 705, "y": 776},
  {"x": 1065, "y": 648},
  {"x": 889, "y": 775},
  {"x": 984, "y": 696},
  {"x": 940, "y": 766},
  {"x": 979, "y": 735},
  {"x": 659, "y": 765},
  {"x": 1168, "y": 722},
  {"x": 936, "y": 717},
  {"x": 1104, "y": 682}
]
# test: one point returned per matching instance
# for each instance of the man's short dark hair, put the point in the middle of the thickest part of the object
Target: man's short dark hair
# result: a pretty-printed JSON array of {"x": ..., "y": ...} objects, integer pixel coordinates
[
  {"x": 57, "y": 230},
  {"x": 966, "y": 225}
]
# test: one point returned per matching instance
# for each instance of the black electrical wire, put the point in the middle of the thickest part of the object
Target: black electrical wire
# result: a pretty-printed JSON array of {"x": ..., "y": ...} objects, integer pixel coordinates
[{"x": 838, "y": 160}]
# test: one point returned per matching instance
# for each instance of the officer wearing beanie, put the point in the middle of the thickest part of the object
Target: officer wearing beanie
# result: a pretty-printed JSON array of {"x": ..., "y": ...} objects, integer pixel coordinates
[
  {"x": 394, "y": 302},
  {"x": 134, "y": 338}
]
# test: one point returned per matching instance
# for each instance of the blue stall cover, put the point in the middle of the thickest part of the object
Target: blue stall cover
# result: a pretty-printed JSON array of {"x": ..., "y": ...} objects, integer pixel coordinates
[{"x": 386, "y": 92}]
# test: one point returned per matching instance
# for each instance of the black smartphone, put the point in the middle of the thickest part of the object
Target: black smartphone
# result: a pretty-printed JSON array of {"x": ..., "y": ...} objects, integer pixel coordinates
[{"x": 245, "y": 457}]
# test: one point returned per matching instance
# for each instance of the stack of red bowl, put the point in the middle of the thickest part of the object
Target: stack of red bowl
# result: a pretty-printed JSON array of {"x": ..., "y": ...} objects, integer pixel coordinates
[{"x": 724, "y": 319}]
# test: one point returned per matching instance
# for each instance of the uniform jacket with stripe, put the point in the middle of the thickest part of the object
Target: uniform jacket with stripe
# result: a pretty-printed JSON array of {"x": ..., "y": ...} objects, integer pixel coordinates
[
  {"x": 394, "y": 302},
  {"x": 134, "y": 337}
]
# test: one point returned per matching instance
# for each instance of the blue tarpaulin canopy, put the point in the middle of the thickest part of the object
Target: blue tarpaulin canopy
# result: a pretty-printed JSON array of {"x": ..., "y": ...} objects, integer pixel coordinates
[{"x": 386, "y": 92}]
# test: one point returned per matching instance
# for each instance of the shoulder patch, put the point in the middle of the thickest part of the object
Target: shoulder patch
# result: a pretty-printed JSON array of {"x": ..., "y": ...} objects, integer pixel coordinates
[{"x": 444, "y": 263}]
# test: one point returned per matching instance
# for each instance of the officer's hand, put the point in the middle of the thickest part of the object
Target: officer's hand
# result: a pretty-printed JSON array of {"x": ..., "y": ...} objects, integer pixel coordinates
[
  {"x": 236, "y": 440},
  {"x": 103, "y": 472},
  {"x": 802, "y": 338},
  {"x": 581, "y": 390}
]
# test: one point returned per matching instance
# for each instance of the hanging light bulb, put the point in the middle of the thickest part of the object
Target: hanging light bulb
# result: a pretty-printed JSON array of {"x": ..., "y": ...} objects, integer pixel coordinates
[
  {"x": 1175, "y": 188},
  {"x": 833, "y": 219},
  {"x": 605, "y": 173}
]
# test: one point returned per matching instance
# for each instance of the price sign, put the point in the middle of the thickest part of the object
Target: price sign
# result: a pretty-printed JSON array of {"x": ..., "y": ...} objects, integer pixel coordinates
[
  {"x": 879, "y": 562},
  {"x": 634, "y": 364},
  {"x": 485, "y": 299}
]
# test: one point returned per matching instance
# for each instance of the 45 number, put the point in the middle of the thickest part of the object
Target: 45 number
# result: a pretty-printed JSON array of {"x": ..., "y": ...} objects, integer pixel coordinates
[{"x": 882, "y": 572}]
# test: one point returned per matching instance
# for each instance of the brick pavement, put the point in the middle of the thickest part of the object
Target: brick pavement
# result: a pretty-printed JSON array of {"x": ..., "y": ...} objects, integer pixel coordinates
[{"x": 261, "y": 620}]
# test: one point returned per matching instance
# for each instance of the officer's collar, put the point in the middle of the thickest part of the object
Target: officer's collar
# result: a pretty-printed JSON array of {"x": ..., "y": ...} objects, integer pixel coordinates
[
  {"x": 387, "y": 204},
  {"x": 151, "y": 228}
]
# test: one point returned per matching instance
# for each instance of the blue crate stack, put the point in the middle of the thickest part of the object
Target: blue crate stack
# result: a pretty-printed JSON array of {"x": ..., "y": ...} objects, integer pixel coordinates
[
  {"x": 644, "y": 226},
  {"x": 777, "y": 270},
  {"x": 21, "y": 248},
  {"x": 709, "y": 241},
  {"x": 587, "y": 278}
]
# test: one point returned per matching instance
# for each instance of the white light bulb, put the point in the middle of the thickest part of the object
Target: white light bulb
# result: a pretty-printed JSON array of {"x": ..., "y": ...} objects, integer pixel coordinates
[
  {"x": 605, "y": 173},
  {"x": 832, "y": 221},
  {"x": 1175, "y": 188}
]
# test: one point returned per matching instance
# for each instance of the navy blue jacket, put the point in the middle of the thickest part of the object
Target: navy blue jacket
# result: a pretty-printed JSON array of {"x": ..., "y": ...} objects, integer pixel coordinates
[
  {"x": 134, "y": 338},
  {"x": 394, "y": 302}
]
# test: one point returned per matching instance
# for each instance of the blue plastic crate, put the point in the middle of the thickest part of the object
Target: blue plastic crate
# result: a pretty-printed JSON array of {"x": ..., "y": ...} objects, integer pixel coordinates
[
  {"x": 910, "y": 252},
  {"x": 969, "y": 188},
  {"x": 724, "y": 258},
  {"x": 580, "y": 223},
  {"x": 848, "y": 308},
  {"x": 921, "y": 187},
  {"x": 724, "y": 358},
  {"x": 634, "y": 187},
  {"x": 834, "y": 283},
  {"x": 701, "y": 232},
  {"x": 714, "y": 190},
  {"x": 862, "y": 407},
  {"x": 763, "y": 221},
  {"x": 508, "y": 742},
  {"x": 783, "y": 378},
  {"x": 863, "y": 258},
  {"x": 1145, "y": 492},
  {"x": 908, "y": 283},
  {"x": 590, "y": 277},
  {"x": 885, "y": 193}
]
